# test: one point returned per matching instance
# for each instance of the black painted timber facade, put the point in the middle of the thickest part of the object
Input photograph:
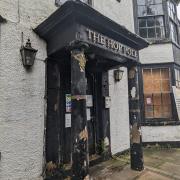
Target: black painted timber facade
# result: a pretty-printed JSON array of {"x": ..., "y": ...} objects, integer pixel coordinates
[{"x": 82, "y": 45}]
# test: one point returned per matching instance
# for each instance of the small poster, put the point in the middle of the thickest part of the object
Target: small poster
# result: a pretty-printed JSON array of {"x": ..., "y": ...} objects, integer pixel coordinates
[
  {"x": 148, "y": 101},
  {"x": 88, "y": 113},
  {"x": 89, "y": 100},
  {"x": 107, "y": 102},
  {"x": 68, "y": 103},
  {"x": 67, "y": 120}
]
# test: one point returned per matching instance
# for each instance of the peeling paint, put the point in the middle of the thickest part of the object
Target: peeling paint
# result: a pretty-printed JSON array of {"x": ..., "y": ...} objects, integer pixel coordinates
[
  {"x": 50, "y": 166},
  {"x": 83, "y": 134},
  {"x": 87, "y": 177},
  {"x": 80, "y": 57},
  {"x": 106, "y": 141},
  {"x": 135, "y": 134},
  {"x": 133, "y": 92}
]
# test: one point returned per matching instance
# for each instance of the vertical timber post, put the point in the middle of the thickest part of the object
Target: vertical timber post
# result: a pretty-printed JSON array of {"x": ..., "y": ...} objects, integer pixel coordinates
[
  {"x": 105, "y": 117},
  {"x": 135, "y": 119},
  {"x": 80, "y": 162}
]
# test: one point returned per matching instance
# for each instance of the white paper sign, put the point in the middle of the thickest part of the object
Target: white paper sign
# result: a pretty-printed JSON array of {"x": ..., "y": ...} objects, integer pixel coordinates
[
  {"x": 67, "y": 120},
  {"x": 68, "y": 102},
  {"x": 89, "y": 100},
  {"x": 107, "y": 102},
  {"x": 148, "y": 101},
  {"x": 88, "y": 112}
]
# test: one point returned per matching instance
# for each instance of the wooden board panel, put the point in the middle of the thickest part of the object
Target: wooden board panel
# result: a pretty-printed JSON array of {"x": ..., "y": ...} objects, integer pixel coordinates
[
  {"x": 147, "y": 74},
  {"x": 157, "y": 98},
  {"x": 148, "y": 88},
  {"x": 165, "y": 85},
  {"x": 165, "y": 73},
  {"x": 149, "y": 111},
  {"x": 156, "y": 86},
  {"x": 157, "y": 111},
  {"x": 166, "y": 99},
  {"x": 166, "y": 111},
  {"x": 156, "y": 74}
]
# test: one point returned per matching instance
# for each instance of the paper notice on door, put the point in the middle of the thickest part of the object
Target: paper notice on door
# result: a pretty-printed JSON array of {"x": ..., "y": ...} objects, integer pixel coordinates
[
  {"x": 88, "y": 113},
  {"x": 148, "y": 101},
  {"x": 89, "y": 100},
  {"x": 68, "y": 102},
  {"x": 67, "y": 120},
  {"x": 176, "y": 93}
]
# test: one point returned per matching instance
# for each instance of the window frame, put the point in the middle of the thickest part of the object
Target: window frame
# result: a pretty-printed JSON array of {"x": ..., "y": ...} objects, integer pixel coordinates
[
  {"x": 155, "y": 28},
  {"x": 161, "y": 28},
  {"x": 174, "y": 32},
  {"x": 146, "y": 5},
  {"x": 173, "y": 22}
]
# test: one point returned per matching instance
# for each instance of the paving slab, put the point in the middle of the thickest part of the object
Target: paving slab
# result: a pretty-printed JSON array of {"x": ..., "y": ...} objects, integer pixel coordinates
[
  {"x": 171, "y": 168},
  {"x": 152, "y": 176},
  {"x": 125, "y": 174},
  {"x": 160, "y": 164}
]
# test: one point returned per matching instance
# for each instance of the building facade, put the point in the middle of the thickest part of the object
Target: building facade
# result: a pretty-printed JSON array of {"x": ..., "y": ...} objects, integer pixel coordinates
[
  {"x": 157, "y": 22},
  {"x": 46, "y": 110}
]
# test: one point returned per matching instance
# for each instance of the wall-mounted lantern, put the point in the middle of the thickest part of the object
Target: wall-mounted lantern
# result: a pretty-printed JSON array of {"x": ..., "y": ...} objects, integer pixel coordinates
[
  {"x": 118, "y": 74},
  {"x": 28, "y": 54}
]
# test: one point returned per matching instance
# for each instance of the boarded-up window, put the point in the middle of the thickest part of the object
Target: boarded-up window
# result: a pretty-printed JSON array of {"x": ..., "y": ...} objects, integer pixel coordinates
[{"x": 157, "y": 97}]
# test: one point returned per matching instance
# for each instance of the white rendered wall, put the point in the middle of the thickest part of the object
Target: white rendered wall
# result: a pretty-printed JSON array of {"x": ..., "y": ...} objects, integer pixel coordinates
[
  {"x": 119, "y": 113},
  {"x": 22, "y": 92},
  {"x": 157, "y": 53},
  {"x": 120, "y": 12},
  {"x": 160, "y": 133}
]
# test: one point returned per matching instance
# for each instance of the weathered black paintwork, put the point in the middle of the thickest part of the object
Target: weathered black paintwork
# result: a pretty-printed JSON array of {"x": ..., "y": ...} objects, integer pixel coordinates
[
  {"x": 66, "y": 26},
  {"x": 135, "y": 117},
  {"x": 79, "y": 120},
  {"x": 63, "y": 31}
]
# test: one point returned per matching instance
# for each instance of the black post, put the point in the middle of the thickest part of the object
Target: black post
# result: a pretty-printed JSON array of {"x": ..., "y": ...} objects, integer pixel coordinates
[
  {"x": 135, "y": 119},
  {"x": 80, "y": 163},
  {"x": 105, "y": 119}
]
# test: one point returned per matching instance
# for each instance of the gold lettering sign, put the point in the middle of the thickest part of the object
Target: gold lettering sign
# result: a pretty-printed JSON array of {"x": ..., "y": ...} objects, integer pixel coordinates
[{"x": 111, "y": 44}]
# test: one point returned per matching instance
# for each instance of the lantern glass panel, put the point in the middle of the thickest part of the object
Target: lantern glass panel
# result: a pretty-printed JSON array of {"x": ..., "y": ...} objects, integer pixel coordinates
[{"x": 29, "y": 57}]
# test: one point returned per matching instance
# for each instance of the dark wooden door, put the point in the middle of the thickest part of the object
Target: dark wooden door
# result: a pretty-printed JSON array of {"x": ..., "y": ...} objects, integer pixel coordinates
[
  {"x": 58, "y": 136},
  {"x": 53, "y": 123},
  {"x": 91, "y": 112}
]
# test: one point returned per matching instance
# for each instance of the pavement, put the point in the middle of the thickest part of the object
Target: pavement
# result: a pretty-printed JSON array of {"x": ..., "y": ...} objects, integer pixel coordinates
[{"x": 160, "y": 164}]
